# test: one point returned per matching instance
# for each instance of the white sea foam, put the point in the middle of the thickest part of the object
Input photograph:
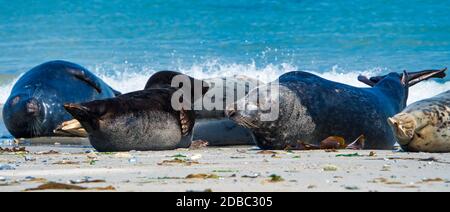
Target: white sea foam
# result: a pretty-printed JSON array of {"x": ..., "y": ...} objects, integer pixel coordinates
[
  {"x": 5, "y": 90},
  {"x": 126, "y": 79}
]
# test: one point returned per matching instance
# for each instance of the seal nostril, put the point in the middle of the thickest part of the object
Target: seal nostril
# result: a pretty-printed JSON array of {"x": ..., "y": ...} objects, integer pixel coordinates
[{"x": 33, "y": 107}]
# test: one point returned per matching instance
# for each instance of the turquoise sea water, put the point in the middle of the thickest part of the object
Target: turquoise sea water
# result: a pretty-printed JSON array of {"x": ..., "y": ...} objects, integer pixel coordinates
[{"x": 126, "y": 41}]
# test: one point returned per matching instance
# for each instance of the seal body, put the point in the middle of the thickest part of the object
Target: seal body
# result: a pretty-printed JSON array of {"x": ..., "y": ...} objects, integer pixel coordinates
[
  {"x": 157, "y": 118},
  {"x": 310, "y": 109},
  {"x": 35, "y": 106},
  {"x": 425, "y": 125},
  {"x": 142, "y": 120},
  {"x": 212, "y": 125},
  {"x": 222, "y": 132}
]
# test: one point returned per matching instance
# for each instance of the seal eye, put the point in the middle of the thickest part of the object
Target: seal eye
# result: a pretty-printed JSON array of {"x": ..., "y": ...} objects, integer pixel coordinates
[
  {"x": 419, "y": 135},
  {"x": 15, "y": 100}
]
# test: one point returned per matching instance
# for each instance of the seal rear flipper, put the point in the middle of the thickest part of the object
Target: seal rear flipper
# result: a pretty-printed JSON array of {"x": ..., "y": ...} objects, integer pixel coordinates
[
  {"x": 87, "y": 118},
  {"x": 413, "y": 77},
  {"x": 417, "y": 77},
  {"x": 83, "y": 76}
]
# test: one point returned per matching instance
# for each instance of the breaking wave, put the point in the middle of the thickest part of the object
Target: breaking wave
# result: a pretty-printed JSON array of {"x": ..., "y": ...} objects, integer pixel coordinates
[{"x": 128, "y": 78}]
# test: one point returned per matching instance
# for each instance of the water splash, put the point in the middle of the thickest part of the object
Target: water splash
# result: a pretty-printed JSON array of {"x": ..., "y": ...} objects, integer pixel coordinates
[{"x": 127, "y": 78}]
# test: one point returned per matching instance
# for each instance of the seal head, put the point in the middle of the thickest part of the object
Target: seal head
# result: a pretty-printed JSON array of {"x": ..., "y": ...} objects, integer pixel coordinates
[
  {"x": 404, "y": 126},
  {"x": 24, "y": 116},
  {"x": 424, "y": 126},
  {"x": 276, "y": 116},
  {"x": 35, "y": 106}
]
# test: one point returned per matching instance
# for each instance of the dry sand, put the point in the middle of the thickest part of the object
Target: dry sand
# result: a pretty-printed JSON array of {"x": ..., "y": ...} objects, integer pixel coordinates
[{"x": 226, "y": 169}]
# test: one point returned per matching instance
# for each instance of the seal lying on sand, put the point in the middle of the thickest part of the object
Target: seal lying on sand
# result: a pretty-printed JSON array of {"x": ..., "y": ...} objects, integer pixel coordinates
[
  {"x": 35, "y": 106},
  {"x": 211, "y": 125},
  {"x": 142, "y": 120},
  {"x": 312, "y": 109},
  {"x": 425, "y": 125}
]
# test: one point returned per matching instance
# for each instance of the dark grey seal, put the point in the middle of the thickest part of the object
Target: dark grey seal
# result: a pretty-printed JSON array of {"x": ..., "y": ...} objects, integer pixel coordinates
[
  {"x": 35, "y": 106},
  {"x": 312, "y": 109},
  {"x": 142, "y": 120},
  {"x": 212, "y": 125}
]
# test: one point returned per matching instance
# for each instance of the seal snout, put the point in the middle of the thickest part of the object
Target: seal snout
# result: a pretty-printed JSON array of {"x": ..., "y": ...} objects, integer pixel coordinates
[
  {"x": 238, "y": 118},
  {"x": 403, "y": 127},
  {"x": 32, "y": 107}
]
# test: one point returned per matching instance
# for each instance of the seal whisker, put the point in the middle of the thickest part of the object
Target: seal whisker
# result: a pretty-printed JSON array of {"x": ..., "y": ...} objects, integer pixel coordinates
[
  {"x": 33, "y": 129},
  {"x": 38, "y": 125},
  {"x": 250, "y": 124},
  {"x": 37, "y": 94},
  {"x": 245, "y": 122},
  {"x": 35, "y": 126}
]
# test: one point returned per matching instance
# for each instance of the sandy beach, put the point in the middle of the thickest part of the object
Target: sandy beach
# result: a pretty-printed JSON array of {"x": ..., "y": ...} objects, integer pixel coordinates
[{"x": 244, "y": 168}]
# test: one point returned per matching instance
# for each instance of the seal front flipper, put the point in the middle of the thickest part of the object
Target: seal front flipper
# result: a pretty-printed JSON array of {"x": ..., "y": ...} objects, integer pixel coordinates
[
  {"x": 186, "y": 122},
  {"x": 83, "y": 76},
  {"x": 71, "y": 128},
  {"x": 358, "y": 144},
  {"x": 366, "y": 81}
]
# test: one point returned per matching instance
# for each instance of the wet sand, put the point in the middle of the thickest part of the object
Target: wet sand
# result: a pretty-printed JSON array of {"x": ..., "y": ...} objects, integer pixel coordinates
[{"x": 224, "y": 169}]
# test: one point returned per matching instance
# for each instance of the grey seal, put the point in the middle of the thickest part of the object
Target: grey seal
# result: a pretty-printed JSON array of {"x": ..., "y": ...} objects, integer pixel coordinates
[
  {"x": 142, "y": 120},
  {"x": 424, "y": 126},
  {"x": 312, "y": 108},
  {"x": 211, "y": 125}
]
